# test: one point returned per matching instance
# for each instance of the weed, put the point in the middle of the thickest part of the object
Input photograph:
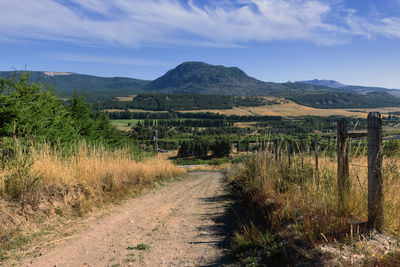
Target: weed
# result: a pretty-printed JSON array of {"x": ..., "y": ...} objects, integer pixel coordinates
[
  {"x": 390, "y": 259},
  {"x": 139, "y": 247},
  {"x": 250, "y": 261},
  {"x": 142, "y": 247}
]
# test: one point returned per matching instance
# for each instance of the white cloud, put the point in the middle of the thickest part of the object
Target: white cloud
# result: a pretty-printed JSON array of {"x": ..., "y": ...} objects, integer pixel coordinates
[
  {"x": 390, "y": 27},
  {"x": 218, "y": 23}
]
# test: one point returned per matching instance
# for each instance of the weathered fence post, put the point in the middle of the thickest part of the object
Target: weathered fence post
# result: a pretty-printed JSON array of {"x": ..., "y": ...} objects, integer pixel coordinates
[
  {"x": 276, "y": 150},
  {"x": 375, "y": 181},
  {"x": 156, "y": 139},
  {"x": 289, "y": 154},
  {"x": 343, "y": 162},
  {"x": 316, "y": 150}
]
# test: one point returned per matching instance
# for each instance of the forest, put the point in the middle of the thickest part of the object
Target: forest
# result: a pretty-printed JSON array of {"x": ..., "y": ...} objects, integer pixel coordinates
[{"x": 166, "y": 102}]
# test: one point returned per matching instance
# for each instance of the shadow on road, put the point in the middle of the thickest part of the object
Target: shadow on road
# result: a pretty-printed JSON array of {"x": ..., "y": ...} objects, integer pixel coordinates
[{"x": 224, "y": 225}]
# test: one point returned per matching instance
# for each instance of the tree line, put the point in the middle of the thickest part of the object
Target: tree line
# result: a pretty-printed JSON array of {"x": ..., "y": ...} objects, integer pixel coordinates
[
  {"x": 184, "y": 123},
  {"x": 166, "y": 102},
  {"x": 200, "y": 148}
]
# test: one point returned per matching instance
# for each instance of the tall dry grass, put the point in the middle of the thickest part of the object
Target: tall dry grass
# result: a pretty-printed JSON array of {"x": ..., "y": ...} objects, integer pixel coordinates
[
  {"x": 38, "y": 184},
  {"x": 97, "y": 171},
  {"x": 285, "y": 203}
]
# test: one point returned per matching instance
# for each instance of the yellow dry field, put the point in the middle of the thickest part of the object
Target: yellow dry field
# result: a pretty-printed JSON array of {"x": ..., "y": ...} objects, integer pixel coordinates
[
  {"x": 125, "y": 98},
  {"x": 244, "y": 124},
  {"x": 286, "y": 108},
  {"x": 289, "y": 109}
]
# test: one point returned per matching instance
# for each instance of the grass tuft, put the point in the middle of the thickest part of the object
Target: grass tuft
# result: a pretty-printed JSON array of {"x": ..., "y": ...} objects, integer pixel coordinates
[{"x": 139, "y": 247}]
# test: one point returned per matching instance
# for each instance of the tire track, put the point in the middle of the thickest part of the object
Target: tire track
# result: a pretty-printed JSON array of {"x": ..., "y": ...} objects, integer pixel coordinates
[{"x": 177, "y": 224}]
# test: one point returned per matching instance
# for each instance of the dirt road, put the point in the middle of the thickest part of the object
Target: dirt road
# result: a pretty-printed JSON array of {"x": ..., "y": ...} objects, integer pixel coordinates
[{"x": 180, "y": 224}]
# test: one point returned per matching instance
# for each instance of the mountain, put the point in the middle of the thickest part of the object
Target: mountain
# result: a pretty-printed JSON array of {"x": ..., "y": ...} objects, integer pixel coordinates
[
  {"x": 202, "y": 78},
  {"x": 95, "y": 88},
  {"x": 329, "y": 83},
  {"x": 198, "y": 78},
  {"x": 352, "y": 88}
]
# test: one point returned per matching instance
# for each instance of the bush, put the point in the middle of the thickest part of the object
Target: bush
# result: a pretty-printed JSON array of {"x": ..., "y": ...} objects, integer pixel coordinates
[
  {"x": 197, "y": 147},
  {"x": 222, "y": 147}
]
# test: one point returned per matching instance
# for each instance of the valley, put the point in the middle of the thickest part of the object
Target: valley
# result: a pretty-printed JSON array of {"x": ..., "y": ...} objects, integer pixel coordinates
[
  {"x": 199, "y": 133},
  {"x": 175, "y": 156}
]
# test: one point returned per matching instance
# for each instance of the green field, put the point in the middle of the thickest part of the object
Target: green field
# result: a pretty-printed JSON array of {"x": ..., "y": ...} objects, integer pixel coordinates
[{"x": 124, "y": 125}]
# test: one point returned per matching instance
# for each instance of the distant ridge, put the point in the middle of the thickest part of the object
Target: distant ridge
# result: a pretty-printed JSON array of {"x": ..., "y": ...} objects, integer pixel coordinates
[
  {"x": 196, "y": 78},
  {"x": 95, "y": 88},
  {"x": 352, "y": 88},
  {"x": 329, "y": 83},
  {"x": 48, "y": 73}
]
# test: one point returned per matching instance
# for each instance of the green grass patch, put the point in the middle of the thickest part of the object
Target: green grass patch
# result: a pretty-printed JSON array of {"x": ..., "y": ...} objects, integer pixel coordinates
[{"x": 139, "y": 247}]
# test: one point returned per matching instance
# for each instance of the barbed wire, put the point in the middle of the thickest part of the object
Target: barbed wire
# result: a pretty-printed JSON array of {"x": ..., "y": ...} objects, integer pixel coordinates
[
  {"x": 359, "y": 182},
  {"x": 358, "y": 165}
]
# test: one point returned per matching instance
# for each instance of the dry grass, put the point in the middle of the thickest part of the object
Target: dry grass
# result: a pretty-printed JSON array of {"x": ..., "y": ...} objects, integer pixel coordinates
[
  {"x": 220, "y": 167},
  {"x": 287, "y": 109},
  {"x": 39, "y": 185},
  {"x": 95, "y": 168},
  {"x": 288, "y": 203},
  {"x": 125, "y": 98}
]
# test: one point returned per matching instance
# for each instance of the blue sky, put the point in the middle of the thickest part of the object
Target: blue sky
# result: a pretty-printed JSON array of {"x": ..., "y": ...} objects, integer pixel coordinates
[{"x": 354, "y": 42}]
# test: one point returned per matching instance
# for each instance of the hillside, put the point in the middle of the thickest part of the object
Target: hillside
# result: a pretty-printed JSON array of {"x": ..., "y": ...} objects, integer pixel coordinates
[
  {"x": 338, "y": 99},
  {"x": 197, "y": 78},
  {"x": 329, "y": 83},
  {"x": 202, "y": 78},
  {"x": 95, "y": 88},
  {"x": 351, "y": 88}
]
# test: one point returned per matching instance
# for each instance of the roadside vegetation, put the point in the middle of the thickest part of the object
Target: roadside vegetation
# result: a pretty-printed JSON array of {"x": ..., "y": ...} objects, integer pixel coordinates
[
  {"x": 289, "y": 214},
  {"x": 61, "y": 160}
]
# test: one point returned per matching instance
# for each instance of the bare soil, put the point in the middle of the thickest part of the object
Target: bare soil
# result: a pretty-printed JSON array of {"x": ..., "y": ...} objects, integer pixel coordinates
[{"x": 180, "y": 224}]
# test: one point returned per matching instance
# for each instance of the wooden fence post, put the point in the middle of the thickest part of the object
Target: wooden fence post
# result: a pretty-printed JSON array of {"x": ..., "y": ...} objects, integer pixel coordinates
[
  {"x": 343, "y": 162},
  {"x": 316, "y": 150},
  {"x": 375, "y": 181},
  {"x": 276, "y": 150},
  {"x": 289, "y": 154}
]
